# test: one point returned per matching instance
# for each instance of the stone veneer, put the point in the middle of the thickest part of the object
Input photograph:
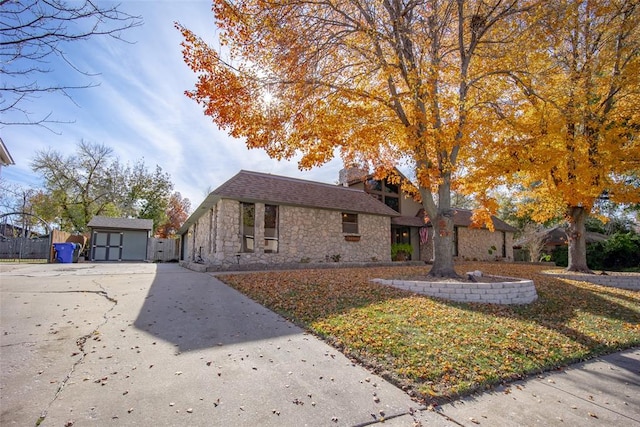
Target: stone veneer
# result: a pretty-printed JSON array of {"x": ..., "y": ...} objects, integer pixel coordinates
[
  {"x": 474, "y": 245},
  {"x": 305, "y": 235},
  {"x": 518, "y": 292}
]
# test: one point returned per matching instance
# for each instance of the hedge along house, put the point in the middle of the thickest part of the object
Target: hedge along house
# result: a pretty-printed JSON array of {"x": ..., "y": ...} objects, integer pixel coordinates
[
  {"x": 261, "y": 219},
  {"x": 119, "y": 239},
  {"x": 409, "y": 225}
]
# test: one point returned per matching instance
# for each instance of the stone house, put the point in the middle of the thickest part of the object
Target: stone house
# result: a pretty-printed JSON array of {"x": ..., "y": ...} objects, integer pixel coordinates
[
  {"x": 409, "y": 226},
  {"x": 257, "y": 218}
]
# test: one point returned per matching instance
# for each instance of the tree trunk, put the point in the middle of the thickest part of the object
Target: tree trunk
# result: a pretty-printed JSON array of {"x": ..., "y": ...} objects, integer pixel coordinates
[
  {"x": 577, "y": 240},
  {"x": 443, "y": 245}
]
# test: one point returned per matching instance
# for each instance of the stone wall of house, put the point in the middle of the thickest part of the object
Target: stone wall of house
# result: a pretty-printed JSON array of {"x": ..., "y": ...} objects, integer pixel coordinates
[
  {"x": 477, "y": 243},
  {"x": 201, "y": 242},
  {"x": 473, "y": 243},
  {"x": 315, "y": 235},
  {"x": 305, "y": 235},
  {"x": 228, "y": 238}
]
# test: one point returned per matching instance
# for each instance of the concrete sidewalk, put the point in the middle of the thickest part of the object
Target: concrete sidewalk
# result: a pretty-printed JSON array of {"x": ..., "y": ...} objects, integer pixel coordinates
[
  {"x": 601, "y": 392},
  {"x": 155, "y": 344}
]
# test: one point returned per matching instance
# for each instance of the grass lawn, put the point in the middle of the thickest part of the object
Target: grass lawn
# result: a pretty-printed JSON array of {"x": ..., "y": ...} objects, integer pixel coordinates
[{"x": 436, "y": 349}]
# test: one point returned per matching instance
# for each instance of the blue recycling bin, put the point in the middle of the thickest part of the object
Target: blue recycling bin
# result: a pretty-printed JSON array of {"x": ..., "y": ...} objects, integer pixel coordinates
[{"x": 64, "y": 252}]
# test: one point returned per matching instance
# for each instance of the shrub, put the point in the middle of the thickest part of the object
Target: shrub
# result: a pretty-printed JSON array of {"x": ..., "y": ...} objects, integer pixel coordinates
[
  {"x": 560, "y": 256},
  {"x": 620, "y": 251},
  {"x": 400, "y": 248}
]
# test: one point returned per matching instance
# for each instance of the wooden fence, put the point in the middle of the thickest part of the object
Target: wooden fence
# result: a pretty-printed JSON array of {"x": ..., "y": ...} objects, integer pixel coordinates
[
  {"x": 24, "y": 248},
  {"x": 18, "y": 248},
  {"x": 163, "y": 250}
]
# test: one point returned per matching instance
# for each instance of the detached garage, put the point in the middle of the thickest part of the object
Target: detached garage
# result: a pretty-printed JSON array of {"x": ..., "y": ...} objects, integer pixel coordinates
[{"x": 119, "y": 239}]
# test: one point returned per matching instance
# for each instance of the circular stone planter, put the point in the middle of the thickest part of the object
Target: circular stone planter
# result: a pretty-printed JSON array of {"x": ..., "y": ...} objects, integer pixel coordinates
[{"x": 511, "y": 291}]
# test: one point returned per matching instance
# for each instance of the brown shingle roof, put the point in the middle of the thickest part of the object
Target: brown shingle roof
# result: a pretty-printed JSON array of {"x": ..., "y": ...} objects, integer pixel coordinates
[
  {"x": 461, "y": 218},
  {"x": 121, "y": 223},
  {"x": 408, "y": 221},
  {"x": 261, "y": 187}
]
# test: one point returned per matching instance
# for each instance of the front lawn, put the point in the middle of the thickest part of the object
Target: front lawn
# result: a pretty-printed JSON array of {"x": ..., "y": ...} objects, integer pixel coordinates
[{"x": 437, "y": 349}]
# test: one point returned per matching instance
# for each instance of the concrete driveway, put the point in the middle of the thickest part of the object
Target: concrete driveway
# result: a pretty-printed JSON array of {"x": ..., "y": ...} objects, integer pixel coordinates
[
  {"x": 147, "y": 344},
  {"x": 156, "y": 344}
]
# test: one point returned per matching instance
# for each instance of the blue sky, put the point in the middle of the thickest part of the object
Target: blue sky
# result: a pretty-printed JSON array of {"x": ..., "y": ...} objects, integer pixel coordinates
[{"x": 139, "y": 108}]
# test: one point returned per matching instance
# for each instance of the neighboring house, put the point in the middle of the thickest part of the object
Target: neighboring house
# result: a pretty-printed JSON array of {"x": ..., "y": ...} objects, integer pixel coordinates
[
  {"x": 5, "y": 156},
  {"x": 119, "y": 239},
  {"x": 470, "y": 243},
  {"x": 552, "y": 239},
  {"x": 257, "y": 218}
]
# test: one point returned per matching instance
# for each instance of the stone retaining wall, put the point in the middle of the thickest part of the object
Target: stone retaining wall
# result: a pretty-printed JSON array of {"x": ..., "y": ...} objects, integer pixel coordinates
[
  {"x": 622, "y": 281},
  {"x": 519, "y": 292}
]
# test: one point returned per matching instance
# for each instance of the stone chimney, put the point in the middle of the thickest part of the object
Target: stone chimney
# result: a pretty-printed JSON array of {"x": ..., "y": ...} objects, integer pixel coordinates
[{"x": 351, "y": 174}]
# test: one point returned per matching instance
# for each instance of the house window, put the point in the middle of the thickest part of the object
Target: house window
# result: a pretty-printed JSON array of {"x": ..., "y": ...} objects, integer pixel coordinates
[
  {"x": 390, "y": 188},
  {"x": 401, "y": 235},
  {"x": 392, "y": 202},
  {"x": 386, "y": 192},
  {"x": 455, "y": 241},
  {"x": 349, "y": 223},
  {"x": 270, "y": 228},
  {"x": 247, "y": 226}
]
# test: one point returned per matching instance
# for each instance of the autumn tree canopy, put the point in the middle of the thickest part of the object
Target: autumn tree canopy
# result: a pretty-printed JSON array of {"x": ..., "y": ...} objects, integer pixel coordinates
[
  {"x": 176, "y": 214},
  {"x": 574, "y": 137},
  {"x": 382, "y": 83}
]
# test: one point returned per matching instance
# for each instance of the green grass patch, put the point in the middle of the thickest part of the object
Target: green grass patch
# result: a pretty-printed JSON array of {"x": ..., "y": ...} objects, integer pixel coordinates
[{"x": 438, "y": 349}]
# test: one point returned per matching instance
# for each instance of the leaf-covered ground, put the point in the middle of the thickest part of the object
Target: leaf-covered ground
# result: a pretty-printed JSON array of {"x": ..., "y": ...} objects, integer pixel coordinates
[{"x": 438, "y": 349}]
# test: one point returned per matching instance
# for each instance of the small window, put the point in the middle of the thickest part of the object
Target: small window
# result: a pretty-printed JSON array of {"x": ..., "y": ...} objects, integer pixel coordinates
[
  {"x": 247, "y": 226},
  {"x": 270, "y": 228},
  {"x": 349, "y": 223},
  {"x": 392, "y": 202},
  {"x": 455, "y": 241},
  {"x": 390, "y": 188},
  {"x": 373, "y": 185}
]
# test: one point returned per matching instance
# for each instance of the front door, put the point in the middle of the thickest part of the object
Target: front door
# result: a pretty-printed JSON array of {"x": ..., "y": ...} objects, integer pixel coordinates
[{"x": 107, "y": 246}]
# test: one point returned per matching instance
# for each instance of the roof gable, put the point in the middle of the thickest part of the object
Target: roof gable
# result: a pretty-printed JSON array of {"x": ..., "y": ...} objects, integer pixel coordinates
[
  {"x": 461, "y": 217},
  {"x": 122, "y": 223}
]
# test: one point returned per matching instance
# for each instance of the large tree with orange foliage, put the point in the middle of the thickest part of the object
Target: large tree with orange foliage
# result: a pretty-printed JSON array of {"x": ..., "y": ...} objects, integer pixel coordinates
[
  {"x": 575, "y": 128},
  {"x": 384, "y": 83}
]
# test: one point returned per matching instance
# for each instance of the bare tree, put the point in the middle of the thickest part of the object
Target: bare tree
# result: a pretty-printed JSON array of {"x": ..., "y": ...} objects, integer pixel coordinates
[{"x": 33, "y": 32}]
